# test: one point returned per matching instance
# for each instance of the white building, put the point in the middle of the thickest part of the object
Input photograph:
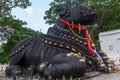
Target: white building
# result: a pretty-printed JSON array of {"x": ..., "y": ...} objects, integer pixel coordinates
[{"x": 110, "y": 44}]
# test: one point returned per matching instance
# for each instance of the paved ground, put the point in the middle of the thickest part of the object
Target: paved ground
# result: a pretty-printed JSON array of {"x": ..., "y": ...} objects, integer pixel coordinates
[{"x": 111, "y": 76}]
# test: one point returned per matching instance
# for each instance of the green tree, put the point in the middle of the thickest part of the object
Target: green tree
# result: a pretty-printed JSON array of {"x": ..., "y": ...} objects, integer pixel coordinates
[
  {"x": 2, "y": 55},
  {"x": 7, "y": 26},
  {"x": 15, "y": 38},
  {"x": 109, "y": 15},
  {"x": 11, "y": 29},
  {"x": 7, "y": 5}
]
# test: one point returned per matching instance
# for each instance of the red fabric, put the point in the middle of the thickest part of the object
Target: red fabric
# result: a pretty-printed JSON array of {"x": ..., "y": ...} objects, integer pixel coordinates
[
  {"x": 88, "y": 42},
  {"x": 70, "y": 24},
  {"x": 79, "y": 27}
]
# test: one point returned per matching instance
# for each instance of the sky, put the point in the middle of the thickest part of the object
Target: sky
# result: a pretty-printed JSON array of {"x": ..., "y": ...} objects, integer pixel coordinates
[{"x": 34, "y": 14}]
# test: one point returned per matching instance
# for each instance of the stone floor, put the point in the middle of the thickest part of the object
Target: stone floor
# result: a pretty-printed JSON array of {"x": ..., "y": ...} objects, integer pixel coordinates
[
  {"x": 111, "y": 76},
  {"x": 90, "y": 76}
]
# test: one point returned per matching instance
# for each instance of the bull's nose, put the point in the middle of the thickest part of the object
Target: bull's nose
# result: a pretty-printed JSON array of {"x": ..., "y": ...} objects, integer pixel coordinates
[{"x": 92, "y": 12}]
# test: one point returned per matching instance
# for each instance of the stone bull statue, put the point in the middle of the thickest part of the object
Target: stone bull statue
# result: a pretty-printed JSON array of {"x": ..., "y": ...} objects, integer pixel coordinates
[{"x": 64, "y": 50}]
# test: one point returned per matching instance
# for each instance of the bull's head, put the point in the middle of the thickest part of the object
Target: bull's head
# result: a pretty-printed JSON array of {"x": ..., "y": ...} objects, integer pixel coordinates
[{"x": 77, "y": 13}]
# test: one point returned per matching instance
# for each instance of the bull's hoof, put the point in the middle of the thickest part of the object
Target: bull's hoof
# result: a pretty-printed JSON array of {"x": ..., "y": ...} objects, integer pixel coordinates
[
  {"x": 109, "y": 70},
  {"x": 102, "y": 67},
  {"x": 40, "y": 67}
]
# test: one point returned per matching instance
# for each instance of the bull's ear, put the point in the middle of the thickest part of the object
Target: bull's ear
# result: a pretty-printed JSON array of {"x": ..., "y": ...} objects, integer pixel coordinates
[{"x": 61, "y": 10}]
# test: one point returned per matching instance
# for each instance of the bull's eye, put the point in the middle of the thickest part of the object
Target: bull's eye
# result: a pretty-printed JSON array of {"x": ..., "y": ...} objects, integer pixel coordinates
[{"x": 73, "y": 5}]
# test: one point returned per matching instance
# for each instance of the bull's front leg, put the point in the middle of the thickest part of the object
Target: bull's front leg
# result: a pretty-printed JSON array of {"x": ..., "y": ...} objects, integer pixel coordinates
[{"x": 63, "y": 65}]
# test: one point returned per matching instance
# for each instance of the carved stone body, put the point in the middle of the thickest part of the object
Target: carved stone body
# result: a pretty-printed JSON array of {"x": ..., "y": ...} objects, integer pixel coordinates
[{"x": 56, "y": 46}]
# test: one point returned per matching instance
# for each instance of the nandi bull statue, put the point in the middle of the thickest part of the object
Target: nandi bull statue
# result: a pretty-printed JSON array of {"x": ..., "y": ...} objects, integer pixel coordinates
[{"x": 64, "y": 51}]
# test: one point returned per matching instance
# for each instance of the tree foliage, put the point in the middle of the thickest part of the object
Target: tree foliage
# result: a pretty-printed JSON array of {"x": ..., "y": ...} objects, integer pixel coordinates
[
  {"x": 7, "y": 5},
  {"x": 11, "y": 29},
  {"x": 15, "y": 38},
  {"x": 109, "y": 15},
  {"x": 7, "y": 26},
  {"x": 16, "y": 33},
  {"x": 6, "y": 19}
]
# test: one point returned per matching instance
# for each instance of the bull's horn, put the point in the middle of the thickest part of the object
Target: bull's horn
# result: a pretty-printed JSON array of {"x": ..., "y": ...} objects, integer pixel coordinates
[
  {"x": 71, "y": 78},
  {"x": 63, "y": 78},
  {"x": 49, "y": 78}
]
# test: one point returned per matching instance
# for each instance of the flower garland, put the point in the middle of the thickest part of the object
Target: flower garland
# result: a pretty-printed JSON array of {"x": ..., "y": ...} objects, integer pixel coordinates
[{"x": 87, "y": 38}]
